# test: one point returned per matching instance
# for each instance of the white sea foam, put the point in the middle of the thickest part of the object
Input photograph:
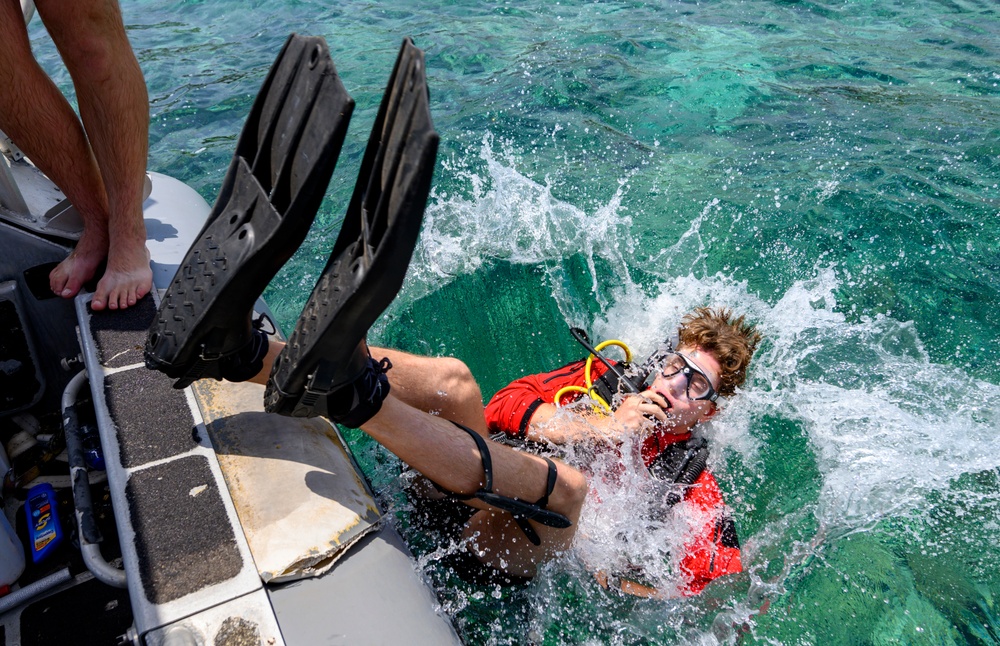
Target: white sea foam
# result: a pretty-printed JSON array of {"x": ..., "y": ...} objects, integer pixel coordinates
[{"x": 888, "y": 424}]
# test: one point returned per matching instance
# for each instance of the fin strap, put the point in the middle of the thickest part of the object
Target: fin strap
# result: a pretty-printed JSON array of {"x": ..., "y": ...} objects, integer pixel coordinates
[
  {"x": 521, "y": 510},
  {"x": 238, "y": 365}
]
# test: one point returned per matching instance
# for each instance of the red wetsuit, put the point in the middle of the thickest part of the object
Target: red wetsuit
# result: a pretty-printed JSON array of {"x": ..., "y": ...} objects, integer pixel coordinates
[{"x": 712, "y": 552}]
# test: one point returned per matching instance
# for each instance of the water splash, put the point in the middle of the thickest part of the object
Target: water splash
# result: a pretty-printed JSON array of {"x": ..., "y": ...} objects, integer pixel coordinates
[
  {"x": 885, "y": 425},
  {"x": 502, "y": 214},
  {"x": 888, "y": 425}
]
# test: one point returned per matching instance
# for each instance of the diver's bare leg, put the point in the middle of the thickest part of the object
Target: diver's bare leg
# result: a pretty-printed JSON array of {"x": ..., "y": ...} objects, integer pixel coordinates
[
  {"x": 442, "y": 386},
  {"x": 447, "y": 455},
  {"x": 274, "y": 348},
  {"x": 114, "y": 107}
]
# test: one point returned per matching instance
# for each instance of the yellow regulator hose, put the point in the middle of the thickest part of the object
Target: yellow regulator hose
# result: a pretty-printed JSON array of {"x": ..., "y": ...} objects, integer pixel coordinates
[{"x": 602, "y": 406}]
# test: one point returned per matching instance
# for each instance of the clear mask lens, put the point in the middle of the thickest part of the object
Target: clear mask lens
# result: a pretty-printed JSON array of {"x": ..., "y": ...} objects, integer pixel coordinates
[{"x": 697, "y": 383}]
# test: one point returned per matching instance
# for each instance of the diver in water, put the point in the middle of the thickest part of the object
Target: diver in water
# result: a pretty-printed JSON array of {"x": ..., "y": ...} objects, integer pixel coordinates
[
  {"x": 682, "y": 381},
  {"x": 523, "y": 508}
]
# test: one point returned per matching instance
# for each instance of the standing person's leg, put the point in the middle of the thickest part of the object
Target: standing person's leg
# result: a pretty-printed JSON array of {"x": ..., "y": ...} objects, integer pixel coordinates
[
  {"x": 448, "y": 456},
  {"x": 114, "y": 106},
  {"x": 41, "y": 122}
]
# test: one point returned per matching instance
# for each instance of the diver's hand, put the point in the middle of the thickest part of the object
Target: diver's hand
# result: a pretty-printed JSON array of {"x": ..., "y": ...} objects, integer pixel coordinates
[{"x": 643, "y": 410}]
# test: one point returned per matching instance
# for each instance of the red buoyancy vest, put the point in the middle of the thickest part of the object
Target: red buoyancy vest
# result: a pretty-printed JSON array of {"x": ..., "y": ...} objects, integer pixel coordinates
[{"x": 712, "y": 552}]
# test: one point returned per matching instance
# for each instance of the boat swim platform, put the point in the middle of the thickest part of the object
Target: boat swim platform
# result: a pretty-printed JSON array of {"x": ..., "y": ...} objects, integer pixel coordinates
[{"x": 207, "y": 491}]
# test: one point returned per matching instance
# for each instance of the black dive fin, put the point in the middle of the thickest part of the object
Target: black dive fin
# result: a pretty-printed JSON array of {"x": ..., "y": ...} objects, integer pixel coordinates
[
  {"x": 327, "y": 349},
  {"x": 275, "y": 183}
]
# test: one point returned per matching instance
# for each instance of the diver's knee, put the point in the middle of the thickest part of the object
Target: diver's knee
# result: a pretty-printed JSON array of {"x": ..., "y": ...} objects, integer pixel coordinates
[
  {"x": 457, "y": 381},
  {"x": 570, "y": 491}
]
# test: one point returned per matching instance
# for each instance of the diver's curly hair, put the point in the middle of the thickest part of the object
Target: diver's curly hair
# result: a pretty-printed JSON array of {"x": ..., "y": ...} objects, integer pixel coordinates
[{"x": 732, "y": 340}]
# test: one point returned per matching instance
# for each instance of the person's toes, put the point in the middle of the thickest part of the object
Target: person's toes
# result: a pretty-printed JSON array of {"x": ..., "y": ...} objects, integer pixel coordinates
[
  {"x": 57, "y": 280},
  {"x": 71, "y": 288},
  {"x": 125, "y": 296},
  {"x": 63, "y": 282},
  {"x": 103, "y": 297}
]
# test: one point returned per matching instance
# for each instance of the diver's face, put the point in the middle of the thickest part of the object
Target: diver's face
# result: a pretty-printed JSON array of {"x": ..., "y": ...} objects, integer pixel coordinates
[{"x": 680, "y": 381}]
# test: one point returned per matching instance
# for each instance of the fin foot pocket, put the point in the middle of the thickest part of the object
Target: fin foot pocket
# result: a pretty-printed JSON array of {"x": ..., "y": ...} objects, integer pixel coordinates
[
  {"x": 351, "y": 404},
  {"x": 368, "y": 263},
  {"x": 284, "y": 158}
]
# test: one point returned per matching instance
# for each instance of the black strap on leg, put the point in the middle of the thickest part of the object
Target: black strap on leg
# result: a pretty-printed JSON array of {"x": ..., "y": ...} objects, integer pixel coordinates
[
  {"x": 524, "y": 511},
  {"x": 521, "y": 510}
]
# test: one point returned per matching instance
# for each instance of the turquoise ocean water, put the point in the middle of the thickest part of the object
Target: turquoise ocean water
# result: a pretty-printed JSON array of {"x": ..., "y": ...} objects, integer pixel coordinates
[{"x": 829, "y": 168}]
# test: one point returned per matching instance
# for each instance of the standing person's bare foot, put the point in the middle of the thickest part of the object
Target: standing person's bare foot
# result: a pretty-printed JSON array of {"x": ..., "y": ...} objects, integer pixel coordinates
[
  {"x": 126, "y": 280},
  {"x": 81, "y": 264}
]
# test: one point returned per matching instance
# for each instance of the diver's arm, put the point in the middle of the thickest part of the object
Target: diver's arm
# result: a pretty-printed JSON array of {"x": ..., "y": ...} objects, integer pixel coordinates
[
  {"x": 525, "y": 409},
  {"x": 632, "y": 588},
  {"x": 634, "y": 413},
  {"x": 567, "y": 429}
]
